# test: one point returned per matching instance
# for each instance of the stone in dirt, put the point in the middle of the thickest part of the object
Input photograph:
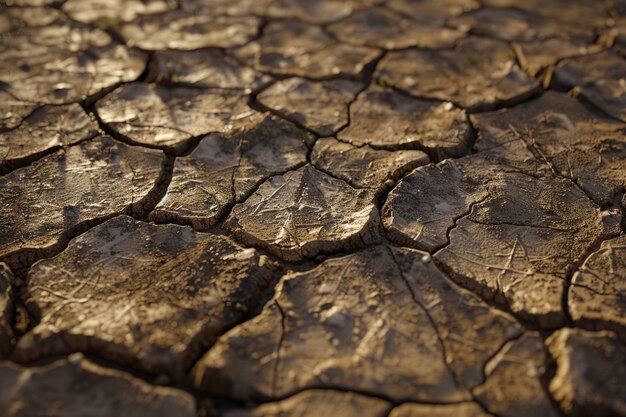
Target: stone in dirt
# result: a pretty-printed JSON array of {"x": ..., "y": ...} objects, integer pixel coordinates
[
  {"x": 513, "y": 385},
  {"x": 590, "y": 373},
  {"x": 225, "y": 169},
  {"x": 303, "y": 213},
  {"x": 336, "y": 326},
  {"x": 46, "y": 203},
  {"x": 206, "y": 68},
  {"x": 385, "y": 29},
  {"x": 167, "y": 118},
  {"x": 384, "y": 118},
  {"x": 290, "y": 47},
  {"x": 319, "y": 403},
  {"x": 45, "y": 130},
  {"x": 325, "y": 115},
  {"x": 6, "y": 310},
  {"x": 576, "y": 143},
  {"x": 478, "y": 74},
  {"x": 183, "y": 30},
  {"x": 600, "y": 79},
  {"x": 597, "y": 296},
  {"x": 148, "y": 296},
  {"x": 365, "y": 167},
  {"x": 77, "y": 387}
]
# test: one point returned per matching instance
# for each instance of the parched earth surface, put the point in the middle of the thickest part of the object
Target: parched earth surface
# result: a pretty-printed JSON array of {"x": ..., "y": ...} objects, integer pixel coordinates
[{"x": 285, "y": 208}]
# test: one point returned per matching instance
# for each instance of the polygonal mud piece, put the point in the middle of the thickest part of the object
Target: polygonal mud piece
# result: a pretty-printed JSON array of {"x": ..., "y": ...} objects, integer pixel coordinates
[
  {"x": 111, "y": 13},
  {"x": 321, "y": 106},
  {"x": 588, "y": 13},
  {"x": 513, "y": 385},
  {"x": 224, "y": 169},
  {"x": 6, "y": 310},
  {"x": 590, "y": 373},
  {"x": 77, "y": 387},
  {"x": 295, "y": 48},
  {"x": 597, "y": 296},
  {"x": 166, "y": 118},
  {"x": 319, "y": 403},
  {"x": 600, "y": 78},
  {"x": 385, "y": 29},
  {"x": 44, "y": 131},
  {"x": 534, "y": 56},
  {"x": 516, "y": 243},
  {"x": 384, "y": 118},
  {"x": 364, "y": 167},
  {"x": 64, "y": 62},
  {"x": 44, "y": 204},
  {"x": 337, "y": 326},
  {"x": 13, "y": 110},
  {"x": 187, "y": 31},
  {"x": 303, "y": 213},
  {"x": 576, "y": 142},
  {"x": 479, "y": 74},
  {"x": 12, "y": 18},
  {"x": 149, "y": 296},
  {"x": 467, "y": 409},
  {"x": 206, "y": 68},
  {"x": 432, "y": 11}
]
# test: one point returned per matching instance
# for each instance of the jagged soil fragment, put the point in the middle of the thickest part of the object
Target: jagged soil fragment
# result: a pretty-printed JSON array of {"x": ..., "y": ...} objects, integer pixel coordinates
[
  {"x": 325, "y": 115},
  {"x": 319, "y": 403},
  {"x": 438, "y": 410},
  {"x": 432, "y": 11},
  {"x": 6, "y": 310},
  {"x": 364, "y": 167},
  {"x": 205, "y": 68},
  {"x": 77, "y": 387},
  {"x": 43, "y": 131},
  {"x": 187, "y": 31},
  {"x": 145, "y": 295},
  {"x": 576, "y": 142},
  {"x": 513, "y": 386},
  {"x": 600, "y": 78},
  {"x": 224, "y": 169},
  {"x": 336, "y": 326},
  {"x": 295, "y": 48},
  {"x": 384, "y": 118},
  {"x": 597, "y": 296},
  {"x": 590, "y": 373},
  {"x": 13, "y": 110},
  {"x": 167, "y": 117},
  {"x": 303, "y": 213},
  {"x": 44, "y": 204},
  {"x": 385, "y": 29},
  {"x": 479, "y": 74},
  {"x": 112, "y": 12}
]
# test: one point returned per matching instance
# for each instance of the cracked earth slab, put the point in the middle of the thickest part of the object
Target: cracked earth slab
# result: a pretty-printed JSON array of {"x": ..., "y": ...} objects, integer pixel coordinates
[
  {"x": 599, "y": 78},
  {"x": 290, "y": 47},
  {"x": 111, "y": 13},
  {"x": 365, "y": 167},
  {"x": 440, "y": 410},
  {"x": 43, "y": 204},
  {"x": 206, "y": 68},
  {"x": 6, "y": 310},
  {"x": 13, "y": 110},
  {"x": 43, "y": 131},
  {"x": 432, "y": 11},
  {"x": 335, "y": 327},
  {"x": 513, "y": 385},
  {"x": 224, "y": 169},
  {"x": 590, "y": 373},
  {"x": 384, "y": 118},
  {"x": 303, "y": 213},
  {"x": 291, "y": 98},
  {"x": 187, "y": 31},
  {"x": 576, "y": 142},
  {"x": 77, "y": 387},
  {"x": 319, "y": 403},
  {"x": 479, "y": 74},
  {"x": 385, "y": 29},
  {"x": 167, "y": 118},
  {"x": 597, "y": 296},
  {"x": 508, "y": 236},
  {"x": 13, "y": 18},
  {"x": 148, "y": 296}
]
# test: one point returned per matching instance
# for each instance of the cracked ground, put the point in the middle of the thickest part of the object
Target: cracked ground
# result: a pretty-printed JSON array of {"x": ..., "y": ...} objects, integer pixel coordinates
[{"x": 285, "y": 208}]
